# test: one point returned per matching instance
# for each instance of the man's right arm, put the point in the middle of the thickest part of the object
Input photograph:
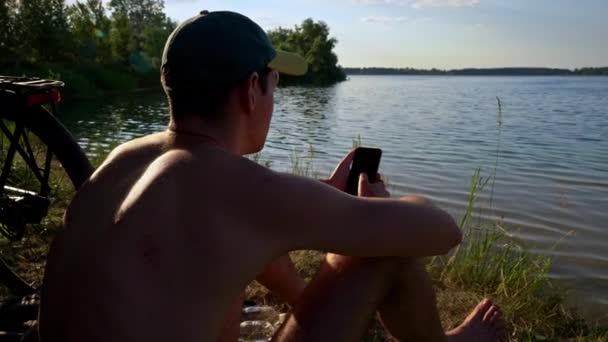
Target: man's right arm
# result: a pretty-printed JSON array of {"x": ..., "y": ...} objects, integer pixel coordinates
[{"x": 301, "y": 213}]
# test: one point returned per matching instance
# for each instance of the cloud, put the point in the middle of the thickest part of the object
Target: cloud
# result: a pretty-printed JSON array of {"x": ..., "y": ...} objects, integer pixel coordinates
[
  {"x": 380, "y": 2},
  {"x": 420, "y": 3},
  {"x": 270, "y": 22},
  {"x": 384, "y": 20},
  {"x": 444, "y": 3}
]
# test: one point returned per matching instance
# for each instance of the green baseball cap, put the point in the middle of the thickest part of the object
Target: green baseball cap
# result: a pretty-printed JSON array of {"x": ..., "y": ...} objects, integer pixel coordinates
[{"x": 224, "y": 47}]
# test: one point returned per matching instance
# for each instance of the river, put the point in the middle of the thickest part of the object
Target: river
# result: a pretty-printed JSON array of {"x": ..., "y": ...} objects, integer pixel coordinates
[{"x": 551, "y": 188}]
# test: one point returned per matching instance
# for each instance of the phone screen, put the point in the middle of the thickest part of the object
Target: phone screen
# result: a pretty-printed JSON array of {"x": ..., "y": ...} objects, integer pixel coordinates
[{"x": 365, "y": 160}]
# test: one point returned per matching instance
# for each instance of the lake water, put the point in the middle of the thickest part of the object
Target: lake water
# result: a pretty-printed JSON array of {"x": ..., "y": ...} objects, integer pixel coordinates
[{"x": 551, "y": 186}]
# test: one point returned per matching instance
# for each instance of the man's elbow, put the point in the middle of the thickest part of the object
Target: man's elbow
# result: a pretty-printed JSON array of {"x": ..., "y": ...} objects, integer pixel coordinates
[
  {"x": 452, "y": 235},
  {"x": 455, "y": 236},
  {"x": 449, "y": 232}
]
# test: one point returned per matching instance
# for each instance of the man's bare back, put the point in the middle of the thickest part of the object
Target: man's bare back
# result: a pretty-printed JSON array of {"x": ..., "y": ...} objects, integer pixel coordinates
[
  {"x": 166, "y": 252},
  {"x": 164, "y": 237}
]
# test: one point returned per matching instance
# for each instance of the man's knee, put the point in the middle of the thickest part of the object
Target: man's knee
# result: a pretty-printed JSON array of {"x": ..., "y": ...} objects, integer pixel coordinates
[
  {"x": 342, "y": 262},
  {"x": 417, "y": 200},
  {"x": 389, "y": 267},
  {"x": 338, "y": 261}
]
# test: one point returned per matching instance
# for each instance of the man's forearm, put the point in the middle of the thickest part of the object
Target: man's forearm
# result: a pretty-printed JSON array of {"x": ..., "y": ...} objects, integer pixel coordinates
[{"x": 281, "y": 277}]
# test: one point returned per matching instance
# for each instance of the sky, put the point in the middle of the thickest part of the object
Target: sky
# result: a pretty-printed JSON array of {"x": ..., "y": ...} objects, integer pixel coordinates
[{"x": 443, "y": 34}]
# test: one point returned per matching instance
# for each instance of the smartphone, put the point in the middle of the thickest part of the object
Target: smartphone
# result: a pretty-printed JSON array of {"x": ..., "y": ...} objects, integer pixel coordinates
[{"x": 365, "y": 160}]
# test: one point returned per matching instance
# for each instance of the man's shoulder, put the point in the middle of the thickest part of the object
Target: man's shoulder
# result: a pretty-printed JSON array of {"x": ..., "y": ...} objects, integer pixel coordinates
[
  {"x": 149, "y": 144},
  {"x": 132, "y": 153}
]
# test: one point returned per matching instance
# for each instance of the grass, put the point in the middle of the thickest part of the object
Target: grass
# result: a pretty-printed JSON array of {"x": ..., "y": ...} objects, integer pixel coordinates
[{"x": 490, "y": 263}]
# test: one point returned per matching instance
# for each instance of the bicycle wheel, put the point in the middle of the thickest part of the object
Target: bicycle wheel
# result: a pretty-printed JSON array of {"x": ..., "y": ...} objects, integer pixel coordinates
[{"x": 42, "y": 168}]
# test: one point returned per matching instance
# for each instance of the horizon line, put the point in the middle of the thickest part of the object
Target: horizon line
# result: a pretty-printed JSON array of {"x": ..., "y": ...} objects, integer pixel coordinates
[{"x": 475, "y": 68}]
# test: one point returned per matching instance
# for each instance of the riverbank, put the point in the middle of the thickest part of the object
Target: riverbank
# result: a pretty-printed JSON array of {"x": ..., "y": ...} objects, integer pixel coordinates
[
  {"x": 89, "y": 80},
  {"x": 489, "y": 263}
]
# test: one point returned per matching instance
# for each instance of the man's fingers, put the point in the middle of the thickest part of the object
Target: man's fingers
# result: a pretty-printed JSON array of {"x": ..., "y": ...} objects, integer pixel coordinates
[
  {"x": 363, "y": 185},
  {"x": 344, "y": 165},
  {"x": 339, "y": 176}
]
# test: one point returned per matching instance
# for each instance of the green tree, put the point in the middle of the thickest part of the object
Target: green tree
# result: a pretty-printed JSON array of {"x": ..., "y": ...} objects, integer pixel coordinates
[
  {"x": 311, "y": 39},
  {"x": 7, "y": 32},
  {"x": 154, "y": 38},
  {"x": 122, "y": 39},
  {"x": 136, "y": 30},
  {"x": 90, "y": 27},
  {"x": 93, "y": 45},
  {"x": 592, "y": 71},
  {"x": 141, "y": 14},
  {"x": 42, "y": 30}
]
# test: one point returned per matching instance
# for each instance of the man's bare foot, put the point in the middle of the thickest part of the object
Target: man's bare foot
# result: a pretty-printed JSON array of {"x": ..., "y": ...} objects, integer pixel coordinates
[{"x": 483, "y": 324}]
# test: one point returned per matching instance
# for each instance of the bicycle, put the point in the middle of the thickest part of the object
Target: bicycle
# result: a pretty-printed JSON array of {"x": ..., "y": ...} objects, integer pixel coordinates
[{"x": 35, "y": 149}]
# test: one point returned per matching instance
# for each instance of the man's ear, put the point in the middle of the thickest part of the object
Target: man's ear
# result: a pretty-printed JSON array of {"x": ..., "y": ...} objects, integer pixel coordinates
[{"x": 250, "y": 99}]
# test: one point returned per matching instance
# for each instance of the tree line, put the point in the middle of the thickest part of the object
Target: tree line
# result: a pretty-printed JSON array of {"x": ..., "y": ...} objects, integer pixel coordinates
[
  {"x": 312, "y": 41},
  {"x": 96, "y": 46},
  {"x": 479, "y": 72},
  {"x": 89, "y": 45}
]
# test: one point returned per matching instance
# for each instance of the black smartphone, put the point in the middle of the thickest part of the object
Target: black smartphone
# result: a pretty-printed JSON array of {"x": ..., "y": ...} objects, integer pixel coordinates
[{"x": 365, "y": 160}]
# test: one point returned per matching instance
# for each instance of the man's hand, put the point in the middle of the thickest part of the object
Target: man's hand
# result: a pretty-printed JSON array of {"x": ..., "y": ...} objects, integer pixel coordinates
[
  {"x": 339, "y": 177},
  {"x": 367, "y": 189}
]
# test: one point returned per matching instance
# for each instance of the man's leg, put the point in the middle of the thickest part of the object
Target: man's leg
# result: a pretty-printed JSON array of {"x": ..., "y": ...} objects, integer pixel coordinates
[
  {"x": 344, "y": 296},
  {"x": 409, "y": 309},
  {"x": 339, "y": 302}
]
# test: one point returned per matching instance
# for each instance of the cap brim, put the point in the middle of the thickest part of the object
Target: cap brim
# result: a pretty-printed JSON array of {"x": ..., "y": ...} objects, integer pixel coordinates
[{"x": 289, "y": 63}]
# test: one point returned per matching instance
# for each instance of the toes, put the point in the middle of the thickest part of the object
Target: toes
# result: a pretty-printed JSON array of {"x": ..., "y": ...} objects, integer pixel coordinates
[
  {"x": 480, "y": 310},
  {"x": 496, "y": 317},
  {"x": 486, "y": 303},
  {"x": 489, "y": 314}
]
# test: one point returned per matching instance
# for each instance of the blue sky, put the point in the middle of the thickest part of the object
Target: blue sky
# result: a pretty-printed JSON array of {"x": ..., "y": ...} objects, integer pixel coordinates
[{"x": 440, "y": 33}]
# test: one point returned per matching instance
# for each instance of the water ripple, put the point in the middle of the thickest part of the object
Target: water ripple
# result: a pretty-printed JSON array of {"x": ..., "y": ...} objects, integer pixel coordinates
[{"x": 552, "y": 175}]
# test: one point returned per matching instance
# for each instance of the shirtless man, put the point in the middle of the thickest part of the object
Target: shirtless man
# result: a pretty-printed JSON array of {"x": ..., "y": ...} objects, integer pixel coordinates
[{"x": 162, "y": 240}]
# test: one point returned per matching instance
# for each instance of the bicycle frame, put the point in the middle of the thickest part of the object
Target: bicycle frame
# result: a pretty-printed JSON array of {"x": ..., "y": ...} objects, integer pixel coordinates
[
  {"x": 21, "y": 206},
  {"x": 28, "y": 156},
  {"x": 28, "y": 105}
]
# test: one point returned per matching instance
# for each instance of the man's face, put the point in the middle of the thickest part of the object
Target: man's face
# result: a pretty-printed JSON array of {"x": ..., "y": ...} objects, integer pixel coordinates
[{"x": 263, "y": 109}]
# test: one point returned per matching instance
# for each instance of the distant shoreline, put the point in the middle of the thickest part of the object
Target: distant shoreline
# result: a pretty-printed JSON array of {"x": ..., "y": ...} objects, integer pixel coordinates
[{"x": 603, "y": 71}]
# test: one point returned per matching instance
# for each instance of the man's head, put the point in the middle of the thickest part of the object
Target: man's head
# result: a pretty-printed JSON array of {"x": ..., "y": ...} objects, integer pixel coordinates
[{"x": 221, "y": 66}]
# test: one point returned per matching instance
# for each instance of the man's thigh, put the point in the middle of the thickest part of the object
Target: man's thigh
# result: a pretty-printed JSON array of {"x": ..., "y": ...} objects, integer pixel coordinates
[{"x": 340, "y": 302}]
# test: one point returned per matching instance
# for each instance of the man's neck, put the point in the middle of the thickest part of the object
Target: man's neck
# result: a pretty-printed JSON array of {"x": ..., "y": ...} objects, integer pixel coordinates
[{"x": 196, "y": 131}]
